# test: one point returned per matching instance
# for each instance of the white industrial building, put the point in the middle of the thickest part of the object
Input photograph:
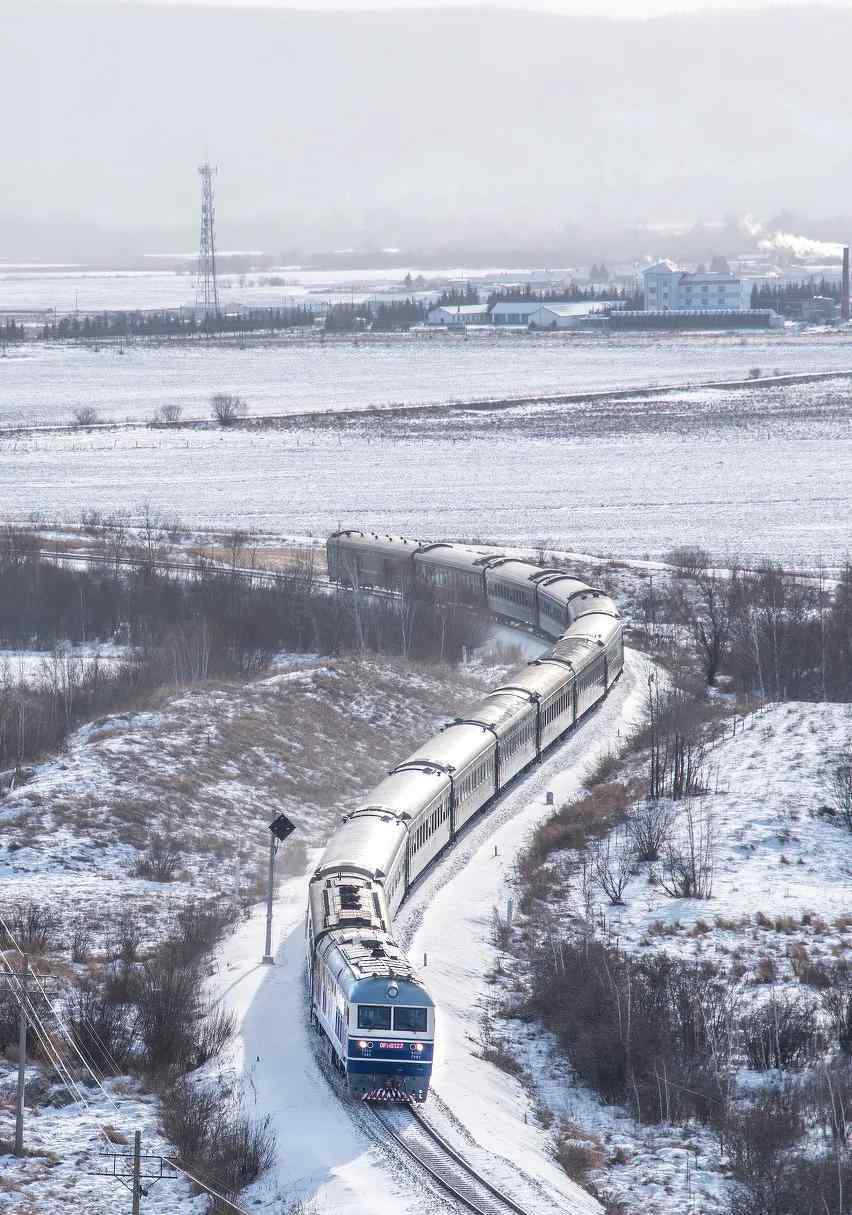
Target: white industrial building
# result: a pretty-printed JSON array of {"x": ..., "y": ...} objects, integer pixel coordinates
[
  {"x": 667, "y": 288},
  {"x": 514, "y": 312},
  {"x": 459, "y": 314},
  {"x": 565, "y": 316}
]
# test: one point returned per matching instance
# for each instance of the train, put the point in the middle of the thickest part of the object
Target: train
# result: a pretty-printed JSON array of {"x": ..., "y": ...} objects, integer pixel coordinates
[{"x": 368, "y": 1003}]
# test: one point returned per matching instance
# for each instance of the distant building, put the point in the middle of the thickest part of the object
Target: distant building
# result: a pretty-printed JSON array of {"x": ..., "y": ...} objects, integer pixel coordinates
[
  {"x": 514, "y": 312},
  {"x": 667, "y": 288},
  {"x": 567, "y": 316},
  {"x": 695, "y": 318},
  {"x": 459, "y": 314},
  {"x": 550, "y": 314}
]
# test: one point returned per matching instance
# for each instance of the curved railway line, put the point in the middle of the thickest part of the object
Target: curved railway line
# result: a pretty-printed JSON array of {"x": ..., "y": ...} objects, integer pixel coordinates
[{"x": 419, "y": 1140}]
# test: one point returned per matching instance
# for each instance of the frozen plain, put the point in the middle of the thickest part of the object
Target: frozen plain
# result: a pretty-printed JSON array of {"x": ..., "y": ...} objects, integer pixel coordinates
[
  {"x": 43, "y": 384},
  {"x": 749, "y": 474}
]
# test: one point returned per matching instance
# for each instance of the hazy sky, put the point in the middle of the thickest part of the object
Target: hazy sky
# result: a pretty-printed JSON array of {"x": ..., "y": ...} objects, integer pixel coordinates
[
  {"x": 346, "y": 129},
  {"x": 596, "y": 8}
]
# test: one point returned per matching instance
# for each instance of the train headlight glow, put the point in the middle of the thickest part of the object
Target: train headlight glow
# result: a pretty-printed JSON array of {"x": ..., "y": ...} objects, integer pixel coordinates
[
  {"x": 418, "y": 1046},
  {"x": 363, "y": 1044}
]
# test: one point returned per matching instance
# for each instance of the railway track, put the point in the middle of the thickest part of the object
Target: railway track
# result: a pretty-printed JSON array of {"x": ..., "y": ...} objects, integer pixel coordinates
[
  {"x": 200, "y": 567},
  {"x": 422, "y": 1143}
]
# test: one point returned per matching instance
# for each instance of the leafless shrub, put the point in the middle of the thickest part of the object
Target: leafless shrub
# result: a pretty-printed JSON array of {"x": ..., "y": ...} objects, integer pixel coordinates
[
  {"x": 227, "y": 409},
  {"x": 686, "y": 869},
  {"x": 495, "y": 1049},
  {"x": 840, "y": 786},
  {"x": 200, "y": 925},
  {"x": 215, "y": 1138},
  {"x": 837, "y": 1003},
  {"x": 688, "y": 560},
  {"x": 31, "y": 928},
  {"x": 80, "y": 943},
  {"x": 650, "y": 826},
  {"x": 758, "y": 1138},
  {"x": 215, "y": 1029},
  {"x": 160, "y": 862},
  {"x": 765, "y": 970},
  {"x": 612, "y": 860},
  {"x": 827, "y": 1092},
  {"x": 780, "y": 1034},
  {"x": 809, "y": 972},
  {"x": 84, "y": 415},
  {"x": 102, "y": 1029},
  {"x": 578, "y": 1153},
  {"x": 170, "y": 413},
  {"x": 125, "y": 937}
]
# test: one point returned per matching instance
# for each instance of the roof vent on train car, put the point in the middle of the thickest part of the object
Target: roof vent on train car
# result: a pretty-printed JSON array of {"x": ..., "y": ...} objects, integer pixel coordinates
[{"x": 350, "y": 898}]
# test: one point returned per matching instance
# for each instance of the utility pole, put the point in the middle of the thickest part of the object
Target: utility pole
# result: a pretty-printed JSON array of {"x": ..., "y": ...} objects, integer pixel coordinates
[
  {"x": 137, "y": 1171},
  {"x": 278, "y": 832},
  {"x": 22, "y": 1061},
  {"x": 159, "y": 1169},
  {"x": 18, "y": 985}
]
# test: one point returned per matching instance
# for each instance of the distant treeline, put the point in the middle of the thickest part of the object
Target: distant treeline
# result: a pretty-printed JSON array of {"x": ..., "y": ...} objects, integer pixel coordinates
[
  {"x": 780, "y": 296},
  {"x": 168, "y": 323},
  {"x": 378, "y": 316},
  {"x": 179, "y": 630},
  {"x": 10, "y": 332},
  {"x": 528, "y": 294}
]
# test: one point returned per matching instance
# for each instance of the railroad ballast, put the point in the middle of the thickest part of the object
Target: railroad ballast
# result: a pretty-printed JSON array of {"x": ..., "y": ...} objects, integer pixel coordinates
[{"x": 366, "y": 999}]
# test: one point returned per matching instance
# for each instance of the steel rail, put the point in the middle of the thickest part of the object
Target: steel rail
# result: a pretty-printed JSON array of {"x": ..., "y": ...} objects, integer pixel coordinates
[
  {"x": 204, "y": 565},
  {"x": 455, "y": 1176}
]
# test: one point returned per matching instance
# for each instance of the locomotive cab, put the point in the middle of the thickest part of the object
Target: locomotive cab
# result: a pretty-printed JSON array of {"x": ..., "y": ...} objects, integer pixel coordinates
[{"x": 391, "y": 1040}]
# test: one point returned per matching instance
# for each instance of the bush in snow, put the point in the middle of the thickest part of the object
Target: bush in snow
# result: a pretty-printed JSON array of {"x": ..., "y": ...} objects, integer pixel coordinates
[
  {"x": 215, "y": 1138},
  {"x": 780, "y": 1034}
]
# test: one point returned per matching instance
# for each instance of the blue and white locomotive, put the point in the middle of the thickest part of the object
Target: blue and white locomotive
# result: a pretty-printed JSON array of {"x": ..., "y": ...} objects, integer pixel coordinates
[{"x": 377, "y": 1018}]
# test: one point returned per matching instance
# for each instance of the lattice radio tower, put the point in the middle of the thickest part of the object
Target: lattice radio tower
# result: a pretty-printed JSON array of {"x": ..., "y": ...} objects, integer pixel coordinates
[{"x": 206, "y": 288}]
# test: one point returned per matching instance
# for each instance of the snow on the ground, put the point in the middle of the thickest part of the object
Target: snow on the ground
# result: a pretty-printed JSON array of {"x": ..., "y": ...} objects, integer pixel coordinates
[
  {"x": 210, "y": 766},
  {"x": 45, "y": 382},
  {"x": 782, "y": 882},
  {"x": 66, "y": 1149},
  {"x": 34, "y": 666},
  {"x": 750, "y": 484},
  {"x": 449, "y": 920},
  {"x": 326, "y": 1153},
  {"x": 313, "y": 733},
  {"x": 775, "y": 857}
]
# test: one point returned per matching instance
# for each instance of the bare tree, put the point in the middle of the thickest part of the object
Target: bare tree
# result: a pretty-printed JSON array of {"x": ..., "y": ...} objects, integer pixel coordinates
[
  {"x": 84, "y": 415},
  {"x": 689, "y": 560},
  {"x": 170, "y": 413},
  {"x": 236, "y": 542},
  {"x": 227, "y": 409},
  {"x": 650, "y": 827},
  {"x": 687, "y": 866},
  {"x": 709, "y": 615},
  {"x": 612, "y": 861}
]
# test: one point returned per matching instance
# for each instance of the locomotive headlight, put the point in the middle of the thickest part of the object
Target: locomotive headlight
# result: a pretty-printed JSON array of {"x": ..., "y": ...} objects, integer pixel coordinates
[
  {"x": 418, "y": 1046},
  {"x": 363, "y": 1044}
]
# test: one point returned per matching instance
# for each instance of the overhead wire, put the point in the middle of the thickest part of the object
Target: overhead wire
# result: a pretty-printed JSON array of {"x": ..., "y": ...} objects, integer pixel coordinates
[
  {"x": 68, "y": 1080},
  {"x": 62, "y": 1027}
]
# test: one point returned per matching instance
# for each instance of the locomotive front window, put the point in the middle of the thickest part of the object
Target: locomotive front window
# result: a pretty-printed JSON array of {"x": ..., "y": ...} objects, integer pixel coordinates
[
  {"x": 411, "y": 1019},
  {"x": 374, "y": 1016}
]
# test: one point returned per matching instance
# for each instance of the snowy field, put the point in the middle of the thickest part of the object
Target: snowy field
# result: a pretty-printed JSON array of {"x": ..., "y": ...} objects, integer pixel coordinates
[
  {"x": 43, "y": 384},
  {"x": 746, "y": 474},
  {"x": 69, "y": 289}
]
